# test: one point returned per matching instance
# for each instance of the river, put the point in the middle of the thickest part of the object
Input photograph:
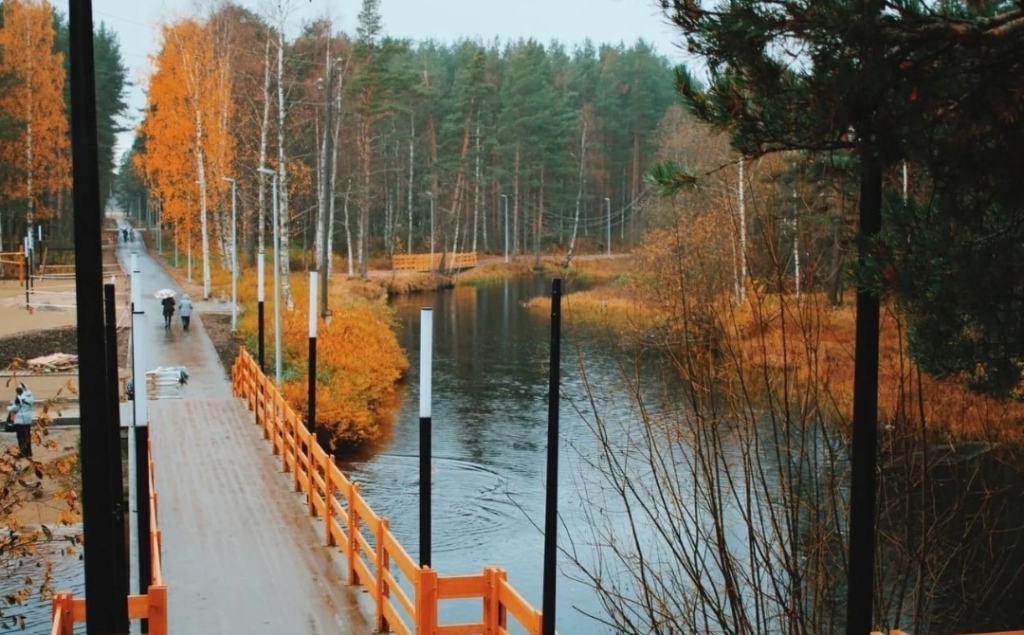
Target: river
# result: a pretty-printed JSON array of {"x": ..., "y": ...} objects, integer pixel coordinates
[{"x": 489, "y": 441}]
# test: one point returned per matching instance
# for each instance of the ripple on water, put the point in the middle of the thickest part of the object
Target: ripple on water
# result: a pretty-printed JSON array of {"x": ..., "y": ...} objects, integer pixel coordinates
[
  {"x": 68, "y": 575},
  {"x": 471, "y": 503}
]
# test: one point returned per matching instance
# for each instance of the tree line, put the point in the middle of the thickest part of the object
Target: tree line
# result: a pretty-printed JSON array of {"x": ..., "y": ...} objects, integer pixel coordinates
[
  {"x": 35, "y": 142},
  {"x": 430, "y": 146}
]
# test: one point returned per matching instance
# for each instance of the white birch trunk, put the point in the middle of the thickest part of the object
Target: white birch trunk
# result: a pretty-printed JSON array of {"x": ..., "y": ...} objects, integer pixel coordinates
[
  {"x": 348, "y": 232},
  {"x": 282, "y": 168},
  {"x": 264, "y": 128},
  {"x": 201, "y": 172},
  {"x": 742, "y": 287},
  {"x": 579, "y": 194}
]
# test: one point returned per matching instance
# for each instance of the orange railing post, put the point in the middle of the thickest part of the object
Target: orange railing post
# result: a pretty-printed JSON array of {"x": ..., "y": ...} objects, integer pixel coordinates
[
  {"x": 62, "y": 612},
  {"x": 353, "y": 527},
  {"x": 329, "y": 502},
  {"x": 426, "y": 601},
  {"x": 381, "y": 565},
  {"x": 157, "y": 609},
  {"x": 309, "y": 475}
]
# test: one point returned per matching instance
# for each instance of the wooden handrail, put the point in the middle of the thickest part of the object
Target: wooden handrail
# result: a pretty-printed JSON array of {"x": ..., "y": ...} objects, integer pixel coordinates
[
  {"x": 374, "y": 557},
  {"x": 424, "y": 262},
  {"x": 151, "y": 606}
]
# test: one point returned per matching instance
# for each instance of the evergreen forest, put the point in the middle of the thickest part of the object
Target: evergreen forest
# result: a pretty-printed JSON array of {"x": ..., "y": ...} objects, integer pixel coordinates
[{"x": 402, "y": 146}]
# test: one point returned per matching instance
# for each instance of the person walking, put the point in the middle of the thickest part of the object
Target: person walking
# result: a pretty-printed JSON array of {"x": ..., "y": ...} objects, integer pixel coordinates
[
  {"x": 168, "y": 304},
  {"x": 185, "y": 307},
  {"x": 20, "y": 411}
]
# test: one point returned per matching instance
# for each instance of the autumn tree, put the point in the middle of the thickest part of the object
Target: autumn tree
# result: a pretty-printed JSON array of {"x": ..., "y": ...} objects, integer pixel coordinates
[
  {"x": 38, "y": 152},
  {"x": 187, "y": 141}
]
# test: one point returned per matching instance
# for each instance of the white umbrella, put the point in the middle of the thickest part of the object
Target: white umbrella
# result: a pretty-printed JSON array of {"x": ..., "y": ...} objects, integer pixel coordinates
[{"x": 164, "y": 293}]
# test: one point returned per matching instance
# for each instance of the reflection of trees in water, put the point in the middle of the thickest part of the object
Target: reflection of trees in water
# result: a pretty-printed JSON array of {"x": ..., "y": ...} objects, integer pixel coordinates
[{"x": 725, "y": 511}]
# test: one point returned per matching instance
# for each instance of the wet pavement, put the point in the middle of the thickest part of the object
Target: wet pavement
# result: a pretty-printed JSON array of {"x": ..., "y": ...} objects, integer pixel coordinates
[{"x": 240, "y": 553}]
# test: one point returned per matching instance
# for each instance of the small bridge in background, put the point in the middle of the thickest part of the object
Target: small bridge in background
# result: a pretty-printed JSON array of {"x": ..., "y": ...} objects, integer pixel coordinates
[{"x": 447, "y": 262}]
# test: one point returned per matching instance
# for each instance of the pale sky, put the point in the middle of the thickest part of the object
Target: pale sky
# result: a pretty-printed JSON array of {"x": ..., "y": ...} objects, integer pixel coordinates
[{"x": 570, "y": 21}]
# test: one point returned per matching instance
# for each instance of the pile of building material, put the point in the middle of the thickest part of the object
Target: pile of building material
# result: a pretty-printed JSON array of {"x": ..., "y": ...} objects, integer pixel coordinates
[
  {"x": 56, "y": 363},
  {"x": 166, "y": 383}
]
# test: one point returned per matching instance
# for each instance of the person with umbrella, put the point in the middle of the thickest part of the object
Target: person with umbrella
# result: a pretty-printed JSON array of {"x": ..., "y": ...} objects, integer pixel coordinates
[{"x": 166, "y": 297}]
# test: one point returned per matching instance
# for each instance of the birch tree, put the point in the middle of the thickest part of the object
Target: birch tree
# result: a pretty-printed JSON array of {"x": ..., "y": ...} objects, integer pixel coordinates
[{"x": 39, "y": 150}]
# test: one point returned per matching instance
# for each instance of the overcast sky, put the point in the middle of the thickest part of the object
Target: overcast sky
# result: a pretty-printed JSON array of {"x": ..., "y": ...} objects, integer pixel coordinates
[{"x": 570, "y": 21}]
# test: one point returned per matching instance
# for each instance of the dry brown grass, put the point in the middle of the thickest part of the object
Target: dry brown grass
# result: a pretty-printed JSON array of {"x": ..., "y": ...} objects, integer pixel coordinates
[
  {"x": 808, "y": 345},
  {"x": 814, "y": 343}
]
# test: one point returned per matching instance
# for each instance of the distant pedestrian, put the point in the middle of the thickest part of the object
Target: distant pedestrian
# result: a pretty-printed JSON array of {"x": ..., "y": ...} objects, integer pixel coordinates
[
  {"x": 131, "y": 235},
  {"x": 20, "y": 411},
  {"x": 124, "y": 234},
  {"x": 185, "y": 306},
  {"x": 168, "y": 304}
]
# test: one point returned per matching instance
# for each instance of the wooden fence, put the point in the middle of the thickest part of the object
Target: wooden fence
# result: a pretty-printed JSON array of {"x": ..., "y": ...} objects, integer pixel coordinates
[
  {"x": 12, "y": 262},
  {"x": 405, "y": 595},
  {"x": 151, "y": 606},
  {"x": 424, "y": 262}
]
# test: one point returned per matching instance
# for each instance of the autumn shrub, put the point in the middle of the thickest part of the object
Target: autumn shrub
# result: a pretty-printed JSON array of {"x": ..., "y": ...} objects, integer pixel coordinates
[{"x": 359, "y": 360}]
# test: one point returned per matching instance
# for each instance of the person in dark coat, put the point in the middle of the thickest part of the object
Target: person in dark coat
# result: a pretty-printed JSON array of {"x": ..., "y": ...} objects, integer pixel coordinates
[
  {"x": 168, "y": 304},
  {"x": 21, "y": 411}
]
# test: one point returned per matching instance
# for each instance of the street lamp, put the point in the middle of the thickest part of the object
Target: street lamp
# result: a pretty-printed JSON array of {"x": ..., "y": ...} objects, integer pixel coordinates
[
  {"x": 234, "y": 258},
  {"x": 505, "y": 198},
  {"x": 277, "y": 283}
]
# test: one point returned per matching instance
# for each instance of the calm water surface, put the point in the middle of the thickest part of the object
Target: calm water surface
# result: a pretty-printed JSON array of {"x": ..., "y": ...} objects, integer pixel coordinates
[{"x": 489, "y": 441}]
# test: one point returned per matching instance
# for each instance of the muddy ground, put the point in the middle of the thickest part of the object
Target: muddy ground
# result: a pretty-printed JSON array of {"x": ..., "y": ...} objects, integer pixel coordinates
[{"x": 31, "y": 344}]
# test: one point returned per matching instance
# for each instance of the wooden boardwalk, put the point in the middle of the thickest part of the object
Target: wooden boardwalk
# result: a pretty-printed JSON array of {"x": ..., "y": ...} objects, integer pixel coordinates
[{"x": 240, "y": 553}]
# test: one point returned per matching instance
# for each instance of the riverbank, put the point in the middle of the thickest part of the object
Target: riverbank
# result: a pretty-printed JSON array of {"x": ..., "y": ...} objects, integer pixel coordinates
[{"x": 802, "y": 347}]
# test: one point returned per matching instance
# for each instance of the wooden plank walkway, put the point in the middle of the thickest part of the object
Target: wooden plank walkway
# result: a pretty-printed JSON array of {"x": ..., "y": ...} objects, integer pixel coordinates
[{"x": 240, "y": 553}]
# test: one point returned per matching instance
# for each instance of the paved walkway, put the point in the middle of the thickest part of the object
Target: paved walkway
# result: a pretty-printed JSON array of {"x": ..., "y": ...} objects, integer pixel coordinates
[{"x": 240, "y": 553}]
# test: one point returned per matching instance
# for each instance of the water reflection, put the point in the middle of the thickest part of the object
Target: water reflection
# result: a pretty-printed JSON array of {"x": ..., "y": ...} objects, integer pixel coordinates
[
  {"x": 489, "y": 440},
  {"x": 68, "y": 574}
]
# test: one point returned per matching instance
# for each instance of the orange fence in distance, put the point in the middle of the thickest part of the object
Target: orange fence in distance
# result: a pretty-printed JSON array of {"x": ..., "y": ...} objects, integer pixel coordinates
[
  {"x": 405, "y": 596},
  {"x": 151, "y": 606},
  {"x": 12, "y": 263},
  {"x": 424, "y": 262}
]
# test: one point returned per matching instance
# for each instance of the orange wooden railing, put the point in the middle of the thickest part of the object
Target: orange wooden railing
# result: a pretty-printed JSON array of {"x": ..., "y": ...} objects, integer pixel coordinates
[
  {"x": 12, "y": 261},
  {"x": 405, "y": 596},
  {"x": 423, "y": 262},
  {"x": 151, "y": 606},
  {"x": 897, "y": 632}
]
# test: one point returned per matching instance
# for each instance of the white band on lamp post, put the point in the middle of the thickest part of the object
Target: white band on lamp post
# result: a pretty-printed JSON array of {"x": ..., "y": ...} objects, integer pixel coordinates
[
  {"x": 259, "y": 279},
  {"x": 426, "y": 348},
  {"x": 312, "y": 303},
  {"x": 136, "y": 283}
]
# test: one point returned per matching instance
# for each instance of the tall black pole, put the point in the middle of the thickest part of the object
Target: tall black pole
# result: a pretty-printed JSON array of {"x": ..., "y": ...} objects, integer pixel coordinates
[
  {"x": 115, "y": 476},
  {"x": 426, "y": 355},
  {"x": 551, "y": 504},
  {"x": 311, "y": 419},
  {"x": 106, "y": 610},
  {"x": 259, "y": 311},
  {"x": 145, "y": 556},
  {"x": 863, "y": 458}
]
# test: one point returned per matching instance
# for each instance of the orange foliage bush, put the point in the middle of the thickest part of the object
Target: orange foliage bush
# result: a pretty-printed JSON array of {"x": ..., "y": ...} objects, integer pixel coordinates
[{"x": 359, "y": 360}]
